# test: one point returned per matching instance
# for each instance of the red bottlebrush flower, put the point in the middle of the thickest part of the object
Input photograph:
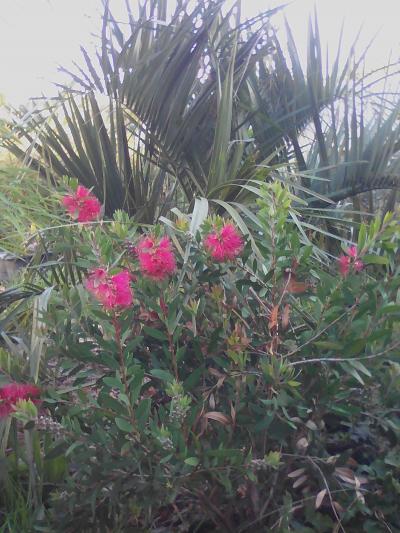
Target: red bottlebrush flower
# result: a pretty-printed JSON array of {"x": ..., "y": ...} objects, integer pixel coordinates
[
  {"x": 225, "y": 244},
  {"x": 112, "y": 292},
  {"x": 82, "y": 205},
  {"x": 12, "y": 393},
  {"x": 344, "y": 265},
  {"x": 156, "y": 260}
]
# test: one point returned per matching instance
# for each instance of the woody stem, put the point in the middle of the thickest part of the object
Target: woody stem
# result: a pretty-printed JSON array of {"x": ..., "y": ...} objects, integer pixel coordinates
[
  {"x": 173, "y": 355},
  {"x": 170, "y": 340},
  {"x": 122, "y": 366}
]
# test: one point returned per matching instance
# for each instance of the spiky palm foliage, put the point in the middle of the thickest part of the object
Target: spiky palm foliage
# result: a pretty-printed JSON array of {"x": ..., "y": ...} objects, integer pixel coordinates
[
  {"x": 200, "y": 104},
  {"x": 162, "y": 122},
  {"x": 324, "y": 119}
]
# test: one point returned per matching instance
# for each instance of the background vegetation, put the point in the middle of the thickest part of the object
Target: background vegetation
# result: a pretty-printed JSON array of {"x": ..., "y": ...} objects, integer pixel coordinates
[{"x": 284, "y": 411}]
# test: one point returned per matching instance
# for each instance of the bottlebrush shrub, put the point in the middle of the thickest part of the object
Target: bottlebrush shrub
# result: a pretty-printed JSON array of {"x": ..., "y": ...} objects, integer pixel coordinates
[{"x": 250, "y": 390}]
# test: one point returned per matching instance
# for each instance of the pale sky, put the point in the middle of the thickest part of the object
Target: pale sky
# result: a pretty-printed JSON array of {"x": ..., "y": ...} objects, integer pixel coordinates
[{"x": 38, "y": 35}]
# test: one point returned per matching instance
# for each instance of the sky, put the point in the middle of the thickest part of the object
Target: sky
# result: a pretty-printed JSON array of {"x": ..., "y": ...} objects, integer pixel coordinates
[{"x": 36, "y": 36}]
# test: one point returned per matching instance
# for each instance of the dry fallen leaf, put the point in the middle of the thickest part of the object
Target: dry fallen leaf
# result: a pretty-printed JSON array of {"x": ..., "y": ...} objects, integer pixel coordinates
[
  {"x": 211, "y": 401},
  {"x": 215, "y": 372},
  {"x": 285, "y": 317},
  {"x": 273, "y": 319},
  {"x": 302, "y": 444},
  {"x": 297, "y": 287},
  {"x": 219, "y": 417},
  {"x": 332, "y": 459},
  {"x": 297, "y": 473},
  {"x": 360, "y": 497},
  {"x": 338, "y": 507},
  {"x": 299, "y": 481},
  {"x": 233, "y": 414},
  {"x": 242, "y": 491},
  {"x": 345, "y": 474},
  {"x": 319, "y": 498}
]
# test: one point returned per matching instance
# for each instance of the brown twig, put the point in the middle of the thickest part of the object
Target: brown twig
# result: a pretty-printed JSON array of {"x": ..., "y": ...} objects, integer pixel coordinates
[
  {"x": 320, "y": 333},
  {"x": 328, "y": 490},
  {"x": 122, "y": 366}
]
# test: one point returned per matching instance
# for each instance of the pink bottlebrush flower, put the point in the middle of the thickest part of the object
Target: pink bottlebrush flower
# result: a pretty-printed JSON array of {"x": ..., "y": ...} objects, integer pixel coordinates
[
  {"x": 82, "y": 205},
  {"x": 344, "y": 265},
  {"x": 350, "y": 260},
  {"x": 352, "y": 251},
  {"x": 97, "y": 283},
  {"x": 12, "y": 393},
  {"x": 225, "y": 244},
  {"x": 123, "y": 291},
  {"x": 112, "y": 292},
  {"x": 358, "y": 265},
  {"x": 156, "y": 260}
]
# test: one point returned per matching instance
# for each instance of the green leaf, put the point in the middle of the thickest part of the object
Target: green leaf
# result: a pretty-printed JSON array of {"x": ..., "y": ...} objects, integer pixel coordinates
[
  {"x": 164, "y": 375},
  {"x": 143, "y": 411},
  {"x": 393, "y": 458},
  {"x": 166, "y": 458},
  {"x": 113, "y": 383},
  {"x": 192, "y": 461},
  {"x": 375, "y": 260},
  {"x": 107, "y": 401},
  {"x": 132, "y": 344},
  {"x": 38, "y": 332},
  {"x": 200, "y": 213},
  {"x": 389, "y": 309},
  {"x": 273, "y": 459},
  {"x": 341, "y": 410},
  {"x": 193, "y": 379},
  {"x": 136, "y": 384},
  {"x": 356, "y": 347},
  {"x": 109, "y": 361},
  {"x": 123, "y": 398},
  {"x": 362, "y": 235},
  {"x": 223, "y": 123},
  {"x": 58, "y": 450},
  {"x": 73, "y": 447},
  {"x": 353, "y": 372},
  {"x": 359, "y": 366},
  {"x": 180, "y": 353},
  {"x": 155, "y": 333},
  {"x": 264, "y": 423},
  {"x": 328, "y": 345},
  {"x": 124, "y": 425}
]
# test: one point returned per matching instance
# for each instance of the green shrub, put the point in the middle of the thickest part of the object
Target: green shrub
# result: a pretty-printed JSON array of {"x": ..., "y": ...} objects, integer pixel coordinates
[{"x": 257, "y": 393}]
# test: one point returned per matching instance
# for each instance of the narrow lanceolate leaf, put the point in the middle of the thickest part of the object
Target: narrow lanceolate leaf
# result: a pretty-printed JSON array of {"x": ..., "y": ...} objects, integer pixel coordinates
[
  {"x": 220, "y": 149},
  {"x": 199, "y": 214},
  {"x": 38, "y": 335}
]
